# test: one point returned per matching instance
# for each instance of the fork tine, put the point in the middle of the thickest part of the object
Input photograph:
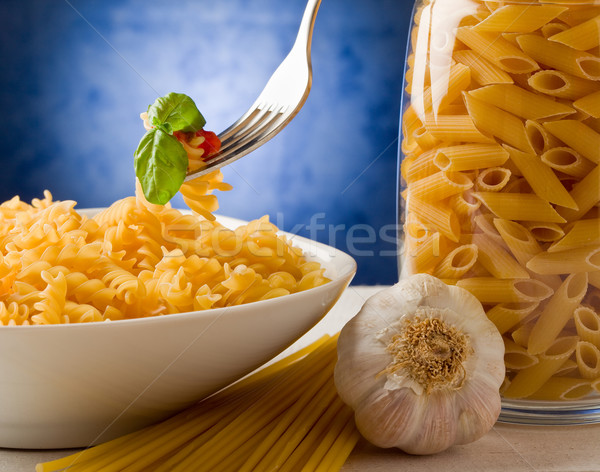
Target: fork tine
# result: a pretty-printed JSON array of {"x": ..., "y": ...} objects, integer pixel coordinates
[
  {"x": 258, "y": 130},
  {"x": 247, "y": 117},
  {"x": 248, "y": 126},
  {"x": 266, "y": 119},
  {"x": 240, "y": 147}
]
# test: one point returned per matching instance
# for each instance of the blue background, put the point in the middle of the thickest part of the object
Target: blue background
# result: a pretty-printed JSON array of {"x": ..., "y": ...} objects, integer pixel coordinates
[{"x": 75, "y": 76}]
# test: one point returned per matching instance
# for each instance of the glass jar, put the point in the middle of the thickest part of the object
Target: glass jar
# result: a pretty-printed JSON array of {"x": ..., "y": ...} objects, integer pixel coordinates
[{"x": 499, "y": 185}]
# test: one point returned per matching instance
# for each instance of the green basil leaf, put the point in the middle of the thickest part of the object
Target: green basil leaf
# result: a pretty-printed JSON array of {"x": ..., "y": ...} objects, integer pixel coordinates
[
  {"x": 160, "y": 165},
  {"x": 165, "y": 127},
  {"x": 178, "y": 110}
]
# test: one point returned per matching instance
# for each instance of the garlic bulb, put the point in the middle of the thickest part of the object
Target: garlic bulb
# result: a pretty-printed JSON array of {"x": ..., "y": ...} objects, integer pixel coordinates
[{"x": 421, "y": 365}]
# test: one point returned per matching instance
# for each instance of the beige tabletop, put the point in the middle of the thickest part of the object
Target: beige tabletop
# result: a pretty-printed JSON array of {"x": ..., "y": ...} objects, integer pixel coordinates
[{"x": 506, "y": 448}]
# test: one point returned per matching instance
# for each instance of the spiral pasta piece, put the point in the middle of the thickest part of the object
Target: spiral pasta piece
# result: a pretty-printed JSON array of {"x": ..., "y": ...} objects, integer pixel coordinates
[
  {"x": 14, "y": 314},
  {"x": 50, "y": 308}
]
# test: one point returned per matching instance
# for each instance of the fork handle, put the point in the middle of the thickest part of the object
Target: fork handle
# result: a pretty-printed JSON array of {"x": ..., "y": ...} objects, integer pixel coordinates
[
  {"x": 306, "y": 26},
  {"x": 301, "y": 46}
]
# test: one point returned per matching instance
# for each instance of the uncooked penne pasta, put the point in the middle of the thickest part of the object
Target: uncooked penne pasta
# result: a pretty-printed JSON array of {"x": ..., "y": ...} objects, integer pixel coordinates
[
  {"x": 542, "y": 180},
  {"x": 561, "y": 57},
  {"x": 521, "y": 102},
  {"x": 552, "y": 28},
  {"x": 456, "y": 108},
  {"x": 584, "y": 36},
  {"x": 470, "y": 157},
  {"x": 540, "y": 139},
  {"x": 492, "y": 179},
  {"x": 516, "y": 357},
  {"x": 496, "y": 260},
  {"x": 504, "y": 168},
  {"x": 530, "y": 380},
  {"x": 587, "y": 356},
  {"x": 518, "y": 184},
  {"x": 568, "y": 161},
  {"x": 440, "y": 185},
  {"x": 544, "y": 232},
  {"x": 493, "y": 290},
  {"x": 587, "y": 324},
  {"x": 521, "y": 79},
  {"x": 422, "y": 255},
  {"x": 551, "y": 280},
  {"x": 410, "y": 122},
  {"x": 474, "y": 18},
  {"x": 519, "y": 207},
  {"x": 497, "y": 50},
  {"x": 582, "y": 233},
  {"x": 576, "y": 16},
  {"x": 417, "y": 168},
  {"x": 406, "y": 164},
  {"x": 506, "y": 316},
  {"x": 593, "y": 123},
  {"x": 483, "y": 72},
  {"x": 511, "y": 38},
  {"x": 444, "y": 89},
  {"x": 586, "y": 194},
  {"x": 493, "y": 5},
  {"x": 562, "y": 85},
  {"x": 519, "y": 240},
  {"x": 563, "y": 388},
  {"x": 425, "y": 139},
  {"x": 557, "y": 312},
  {"x": 455, "y": 128},
  {"x": 409, "y": 146},
  {"x": 464, "y": 205},
  {"x": 578, "y": 136},
  {"x": 589, "y": 104},
  {"x": 580, "y": 260},
  {"x": 568, "y": 368},
  {"x": 435, "y": 217},
  {"x": 414, "y": 229},
  {"x": 520, "y": 335},
  {"x": 484, "y": 223},
  {"x": 519, "y": 18},
  {"x": 457, "y": 263},
  {"x": 499, "y": 123}
]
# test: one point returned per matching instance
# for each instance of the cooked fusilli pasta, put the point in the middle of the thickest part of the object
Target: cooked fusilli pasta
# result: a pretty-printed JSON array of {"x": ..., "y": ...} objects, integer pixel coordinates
[{"x": 135, "y": 259}]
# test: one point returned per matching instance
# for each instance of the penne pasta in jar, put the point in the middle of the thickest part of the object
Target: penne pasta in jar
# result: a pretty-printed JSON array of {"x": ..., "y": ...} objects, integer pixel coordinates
[
  {"x": 500, "y": 168},
  {"x": 556, "y": 83},
  {"x": 529, "y": 381},
  {"x": 590, "y": 104},
  {"x": 516, "y": 357},
  {"x": 565, "y": 160},
  {"x": 552, "y": 28},
  {"x": 492, "y": 179},
  {"x": 587, "y": 324},
  {"x": 507, "y": 316},
  {"x": 584, "y": 36}
]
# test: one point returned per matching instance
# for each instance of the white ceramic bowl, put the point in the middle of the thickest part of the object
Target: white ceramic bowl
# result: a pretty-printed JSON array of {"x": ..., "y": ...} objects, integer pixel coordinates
[{"x": 76, "y": 385}]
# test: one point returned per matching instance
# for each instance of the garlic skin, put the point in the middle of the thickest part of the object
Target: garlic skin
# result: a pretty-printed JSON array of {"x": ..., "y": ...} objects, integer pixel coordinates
[{"x": 421, "y": 365}]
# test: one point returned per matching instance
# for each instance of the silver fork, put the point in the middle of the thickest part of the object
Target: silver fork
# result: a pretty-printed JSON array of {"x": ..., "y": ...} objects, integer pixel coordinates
[{"x": 281, "y": 99}]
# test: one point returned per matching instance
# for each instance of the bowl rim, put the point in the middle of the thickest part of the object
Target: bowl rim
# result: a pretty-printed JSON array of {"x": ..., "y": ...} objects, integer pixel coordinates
[{"x": 347, "y": 266}]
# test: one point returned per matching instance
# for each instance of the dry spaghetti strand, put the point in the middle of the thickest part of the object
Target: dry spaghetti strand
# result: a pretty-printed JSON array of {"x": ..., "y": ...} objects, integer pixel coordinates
[{"x": 286, "y": 416}]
